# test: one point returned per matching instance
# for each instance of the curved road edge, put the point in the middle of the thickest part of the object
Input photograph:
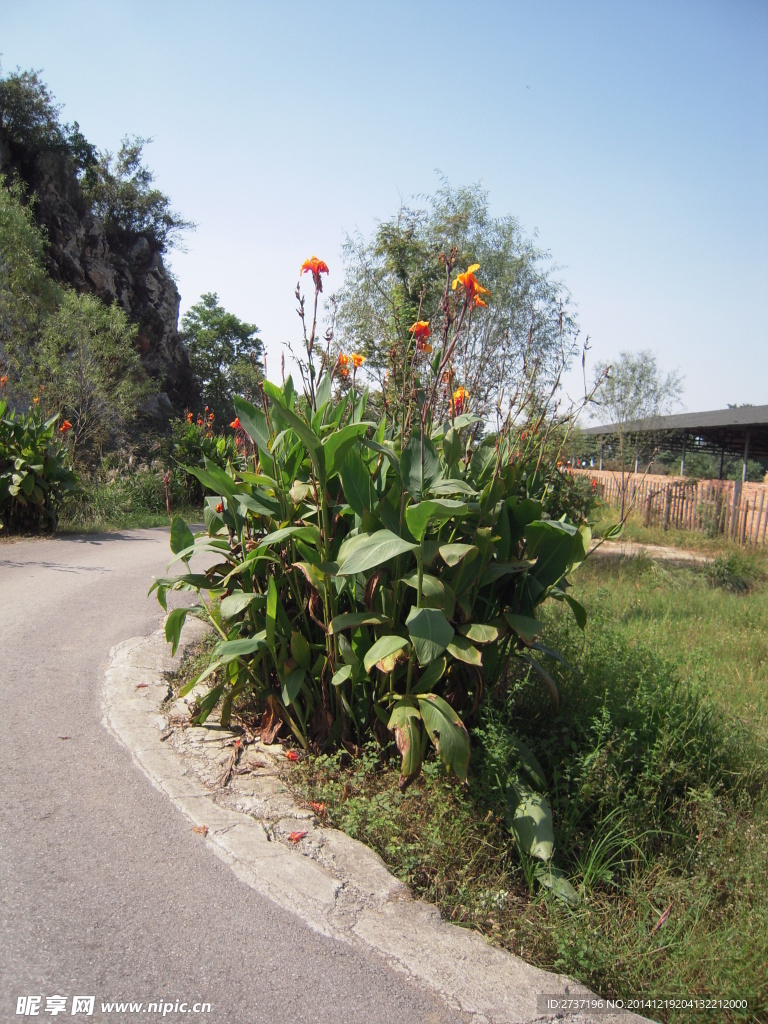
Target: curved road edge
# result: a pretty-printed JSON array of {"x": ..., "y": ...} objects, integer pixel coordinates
[{"x": 351, "y": 897}]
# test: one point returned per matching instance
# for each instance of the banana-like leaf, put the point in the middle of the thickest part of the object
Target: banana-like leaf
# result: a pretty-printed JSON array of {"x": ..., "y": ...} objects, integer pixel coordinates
[
  {"x": 181, "y": 536},
  {"x": 452, "y": 554},
  {"x": 529, "y": 817},
  {"x": 480, "y": 632},
  {"x": 430, "y": 633},
  {"x": 235, "y": 603},
  {"x": 461, "y": 649},
  {"x": 524, "y": 626},
  {"x": 383, "y": 648},
  {"x": 254, "y": 422},
  {"x": 419, "y": 465},
  {"x": 439, "y": 509},
  {"x": 406, "y": 724},
  {"x": 337, "y": 444},
  {"x": 351, "y": 620},
  {"x": 447, "y": 732},
  {"x": 376, "y": 549}
]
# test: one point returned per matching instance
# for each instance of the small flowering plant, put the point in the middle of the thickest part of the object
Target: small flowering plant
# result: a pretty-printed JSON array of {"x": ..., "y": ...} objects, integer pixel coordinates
[
  {"x": 375, "y": 574},
  {"x": 35, "y": 468}
]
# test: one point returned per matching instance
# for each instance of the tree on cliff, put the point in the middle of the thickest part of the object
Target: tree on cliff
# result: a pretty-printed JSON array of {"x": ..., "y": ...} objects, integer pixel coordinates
[
  {"x": 225, "y": 354},
  {"x": 121, "y": 191}
]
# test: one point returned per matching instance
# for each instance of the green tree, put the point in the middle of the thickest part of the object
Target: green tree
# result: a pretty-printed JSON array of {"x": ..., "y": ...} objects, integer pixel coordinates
[
  {"x": 121, "y": 191},
  {"x": 633, "y": 394},
  {"x": 27, "y": 294},
  {"x": 29, "y": 115},
  {"x": 91, "y": 372},
  {"x": 398, "y": 276},
  {"x": 225, "y": 354}
]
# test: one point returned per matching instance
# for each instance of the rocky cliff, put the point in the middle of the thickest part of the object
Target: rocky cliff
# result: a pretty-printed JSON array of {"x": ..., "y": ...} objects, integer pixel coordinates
[{"x": 129, "y": 272}]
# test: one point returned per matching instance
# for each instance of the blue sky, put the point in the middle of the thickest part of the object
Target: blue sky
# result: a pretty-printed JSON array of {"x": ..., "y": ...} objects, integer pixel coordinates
[{"x": 630, "y": 135}]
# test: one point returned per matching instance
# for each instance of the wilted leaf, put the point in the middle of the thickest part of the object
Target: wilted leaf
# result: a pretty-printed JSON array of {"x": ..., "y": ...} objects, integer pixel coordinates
[{"x": 296, "y": 837}]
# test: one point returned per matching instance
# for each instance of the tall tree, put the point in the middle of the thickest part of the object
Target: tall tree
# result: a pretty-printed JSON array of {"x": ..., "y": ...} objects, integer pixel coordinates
[
  {"x": 634, "y": 391},
  {"x": 224, "y": 351},
  {"x": 398, "y": 277},
  {"x": 91, "y": 371}
]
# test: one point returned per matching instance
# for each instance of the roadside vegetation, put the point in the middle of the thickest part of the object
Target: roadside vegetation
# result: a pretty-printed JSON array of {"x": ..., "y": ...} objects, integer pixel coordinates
[{"x": 657, "y": 773}]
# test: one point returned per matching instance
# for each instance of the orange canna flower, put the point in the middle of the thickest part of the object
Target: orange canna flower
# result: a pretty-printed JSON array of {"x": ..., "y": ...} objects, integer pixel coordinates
[
  {"x": 190, "y": 417},
  {"x": 357, "y": 360},
  {"x": 472, "y": 287},
  {"x": 3, "y": 381},
  {"x": 199, "y": 421},
  {"x": 315, "y": 267},
  {"x": 220, "y": 507},
  {"x": 460, "y": 398},
  {"x": 211, "y": 417},
  {"x": 343, "y": 360},
  {"x": 235, "y": 424},
  {"x": 65, "y": 426},
  {"x": 423, "y": 346},
  {"x": 35, "y": 401},
  {"x": 343, "y": 372},
  {"x": 420, "y": 329}
]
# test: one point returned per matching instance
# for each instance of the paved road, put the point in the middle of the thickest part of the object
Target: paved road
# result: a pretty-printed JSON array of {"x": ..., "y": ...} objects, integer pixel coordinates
[{"x": 104, "y": 889}]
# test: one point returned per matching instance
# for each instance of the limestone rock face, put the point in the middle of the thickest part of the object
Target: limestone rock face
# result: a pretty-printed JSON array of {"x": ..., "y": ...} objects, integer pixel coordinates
[{"x": 133, "y": 275}]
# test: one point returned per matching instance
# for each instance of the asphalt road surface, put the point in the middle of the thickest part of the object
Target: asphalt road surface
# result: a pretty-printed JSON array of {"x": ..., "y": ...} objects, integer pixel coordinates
[{"x": 105, "y": 892}]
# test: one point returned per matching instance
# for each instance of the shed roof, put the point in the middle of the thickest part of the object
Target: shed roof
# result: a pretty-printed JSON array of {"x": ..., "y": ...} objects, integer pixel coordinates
[{"x": 718, "y": 430}]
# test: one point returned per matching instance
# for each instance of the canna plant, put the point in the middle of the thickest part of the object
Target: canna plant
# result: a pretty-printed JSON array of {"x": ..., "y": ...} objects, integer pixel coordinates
[
  {"x": 35, "y": 468},
  {"x": 373, "y": 576}
]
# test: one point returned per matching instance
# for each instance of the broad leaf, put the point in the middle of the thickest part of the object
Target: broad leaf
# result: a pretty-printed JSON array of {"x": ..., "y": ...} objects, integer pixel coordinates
[
  {"x": 431, "y": 587},
  {"x": 580, "y": 612},
  {"x": 430, "y": 677},
  {"x": 291, "y": 686},
  {"x": 235, "y": 603},
  {"x": 430, "y": 632},
  {"x": 419, "y": 465},
  {"x": 529, "y": 817},
  {"x": 376, "y": 549},
  {"x": 440, "y": 509},
  {"x": 351, "y": 620},
  {"x": 480, "y": 632},
  {"x": 452, "y": 554},
  {"x": 406, "y": 725},
  {"x": 447, "y": 732},
  {"x": 359, "y": 489},
  {"x": 524, "y": 626},
  {"x": 181, "y": 536},
  {"x": 461, "y": 649},
  {"x": 383, "y": 648},
  {"x": 228, "y": 650},
  {"x": 254, "y": 422},
  {"x": 339, "y": 443}
]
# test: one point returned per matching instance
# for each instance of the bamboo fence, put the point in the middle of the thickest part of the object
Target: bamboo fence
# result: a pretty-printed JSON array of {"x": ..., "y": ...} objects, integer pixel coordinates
[{"x": 725, "y": 508}]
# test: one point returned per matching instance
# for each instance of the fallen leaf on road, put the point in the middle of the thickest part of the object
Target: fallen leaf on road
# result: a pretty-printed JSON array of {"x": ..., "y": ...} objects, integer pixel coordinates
[
  {"x": 201, "y": 829},
  {"x": 318, "y": 808},
  {"x": 141, "y": 686},
  {"x": 292, "y": 755},
  {"x": 296, "y": 837}
]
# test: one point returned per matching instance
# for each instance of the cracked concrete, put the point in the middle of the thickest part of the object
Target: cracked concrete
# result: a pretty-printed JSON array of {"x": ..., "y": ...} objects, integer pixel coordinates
[{"x": 339, "y": 887}]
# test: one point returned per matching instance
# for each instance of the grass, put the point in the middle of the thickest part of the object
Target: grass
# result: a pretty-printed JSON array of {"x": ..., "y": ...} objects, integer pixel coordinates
[{"x": 124, "y": 500}]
